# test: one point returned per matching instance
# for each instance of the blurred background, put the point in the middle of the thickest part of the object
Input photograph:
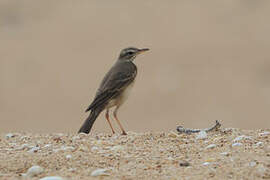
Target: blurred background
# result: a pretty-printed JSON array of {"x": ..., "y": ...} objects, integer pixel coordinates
[{"x": 209, "y": 60}]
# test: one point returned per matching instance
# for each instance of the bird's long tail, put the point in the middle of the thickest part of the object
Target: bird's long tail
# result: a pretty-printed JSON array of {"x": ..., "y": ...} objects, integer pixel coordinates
[{"x": 88, "y": 123}]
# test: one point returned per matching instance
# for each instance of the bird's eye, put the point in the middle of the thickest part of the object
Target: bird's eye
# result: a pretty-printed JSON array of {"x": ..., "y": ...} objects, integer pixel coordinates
[{"x": 130, "y": 53}]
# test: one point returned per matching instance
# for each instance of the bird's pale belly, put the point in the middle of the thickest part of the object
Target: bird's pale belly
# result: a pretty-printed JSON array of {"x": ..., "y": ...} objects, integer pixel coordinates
[{"x": 122, "y": 98}]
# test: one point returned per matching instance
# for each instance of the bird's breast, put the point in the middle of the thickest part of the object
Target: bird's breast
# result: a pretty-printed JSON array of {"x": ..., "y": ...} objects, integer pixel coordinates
[
  {"x": 126, "y": 93},
  {"x": 121, "y": 98}
]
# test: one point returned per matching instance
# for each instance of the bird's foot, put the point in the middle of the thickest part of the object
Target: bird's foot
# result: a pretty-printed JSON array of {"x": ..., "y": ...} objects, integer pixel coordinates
[{"x": 124, "y": 133}]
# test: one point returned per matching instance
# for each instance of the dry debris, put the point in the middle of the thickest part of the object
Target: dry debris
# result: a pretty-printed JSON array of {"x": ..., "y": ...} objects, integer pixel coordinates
[{"x": 181, "y": 129}]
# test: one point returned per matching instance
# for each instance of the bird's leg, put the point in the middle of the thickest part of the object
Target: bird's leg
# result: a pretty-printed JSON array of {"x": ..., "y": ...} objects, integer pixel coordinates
[
  {"x": 108, "y": 119},
  {"x": 117, "y": 120}
]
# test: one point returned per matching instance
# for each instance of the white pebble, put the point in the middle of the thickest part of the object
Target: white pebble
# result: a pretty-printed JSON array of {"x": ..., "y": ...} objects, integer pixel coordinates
[
  {"x": 264, "y": 133},
  {"x": 52, "y": 178},
  {"x": 243, "y": 137},
  {"x": 211, "y": 146},
  {"x": 68, "y": 156},
  {"x": 206, "y": 163},
  {"x": 94, "y": 148},
  {"x": 66, "y": 148},
  {"x": 258, "y": 144},
  {"x": 9, "y": 135},
  {"x": 47, "y": 145},
  {"x": 100, "y": 172},
  {"x": 72, "y": 169},
  {"x": 252, "y": 164},
  {"x": 201, "y": 135},
  {"x": 34, "y": 171},
  {"x": 236, "y": 144}
]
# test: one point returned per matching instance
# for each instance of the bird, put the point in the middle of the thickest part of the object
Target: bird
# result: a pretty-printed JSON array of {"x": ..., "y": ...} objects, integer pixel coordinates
[{"x": 114, "y": 89}]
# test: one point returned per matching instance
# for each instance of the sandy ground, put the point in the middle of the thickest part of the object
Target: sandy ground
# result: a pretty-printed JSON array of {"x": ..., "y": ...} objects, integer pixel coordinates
[{"x": 225, "y": 154}]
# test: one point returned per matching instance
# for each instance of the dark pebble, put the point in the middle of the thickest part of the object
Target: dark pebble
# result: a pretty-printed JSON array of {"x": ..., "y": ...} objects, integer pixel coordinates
[{"x": 184, "y": 164}]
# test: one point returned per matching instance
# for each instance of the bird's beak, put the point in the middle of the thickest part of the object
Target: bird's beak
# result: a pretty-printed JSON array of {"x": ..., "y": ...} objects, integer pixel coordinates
[{"x": 143, "y": 50}]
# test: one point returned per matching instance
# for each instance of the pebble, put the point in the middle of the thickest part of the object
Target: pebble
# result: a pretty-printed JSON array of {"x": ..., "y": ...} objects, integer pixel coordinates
[
  {"x": 236, "y": 144},
  {"x": 201, "y": 135},
  {"x": 34, "y": 171},
  {"x": 206, "y": 163},
  {"x": 184, "y": 163},
  {"x": 10, "y": 135},
  {"x": 211, "y": 146},
  {"x": 100, "y": 172},
  {"x": 243, "y": 137},
  {"x": 94, "y": 148},
  {"x": 52, "y": 178},
  {"x": 68, "y": 156},
  {"x": 259, "y": 144},
  {"x": 252, "y": 164},
  {"x": 67, "y": 148},
  {"x": 34, "y": 149},
  {"x": 264, "y": 133},
  {"x": 47, "y": 145}
]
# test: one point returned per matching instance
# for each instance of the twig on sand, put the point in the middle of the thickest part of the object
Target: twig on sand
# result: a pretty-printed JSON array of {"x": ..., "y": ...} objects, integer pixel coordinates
[{"x": 181, "y": 129}]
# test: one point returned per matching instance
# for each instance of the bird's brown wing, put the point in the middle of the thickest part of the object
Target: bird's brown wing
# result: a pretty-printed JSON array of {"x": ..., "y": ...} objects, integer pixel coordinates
[{"x": 116, "y": 80}]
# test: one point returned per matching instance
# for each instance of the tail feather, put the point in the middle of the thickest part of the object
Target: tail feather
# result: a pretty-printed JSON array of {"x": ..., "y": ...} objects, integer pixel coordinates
[{"x": 88, "y": 123}]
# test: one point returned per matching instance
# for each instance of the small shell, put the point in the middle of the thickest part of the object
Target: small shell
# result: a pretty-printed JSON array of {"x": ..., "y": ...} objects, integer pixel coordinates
[
  {"x": 100, "y": 172},
  {"x": 236, "y": 144},
  {"x": 52, "y": 178},
  {"x": 211, "y": 146},
  {"x": 34, "y": 171},
  {"x": 68, "y": 156}
]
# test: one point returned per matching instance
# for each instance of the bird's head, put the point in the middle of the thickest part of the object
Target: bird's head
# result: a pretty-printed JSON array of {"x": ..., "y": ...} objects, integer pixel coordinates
[{"x": 129, "y": 54}]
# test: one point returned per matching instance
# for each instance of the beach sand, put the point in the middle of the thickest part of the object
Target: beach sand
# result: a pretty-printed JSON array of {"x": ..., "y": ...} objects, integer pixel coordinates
[{"x": 224, "y": 154}]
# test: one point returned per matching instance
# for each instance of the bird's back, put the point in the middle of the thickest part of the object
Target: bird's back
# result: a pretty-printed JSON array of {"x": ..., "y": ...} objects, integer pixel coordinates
[
  {"x": 120, "y": 71},
  {"x": 118, "y": 78}
]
